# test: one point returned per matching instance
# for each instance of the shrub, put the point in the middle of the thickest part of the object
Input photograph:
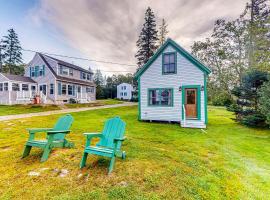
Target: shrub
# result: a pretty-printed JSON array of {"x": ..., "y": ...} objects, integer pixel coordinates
[
  {"x": 264, "y": 100},
  {"x": 221, "y": 99},
  {"x": 71, "y": 100}
]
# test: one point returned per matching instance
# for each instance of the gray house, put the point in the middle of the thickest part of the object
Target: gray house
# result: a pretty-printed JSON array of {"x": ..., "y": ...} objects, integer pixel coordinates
[{"x": 56, "y": 82}]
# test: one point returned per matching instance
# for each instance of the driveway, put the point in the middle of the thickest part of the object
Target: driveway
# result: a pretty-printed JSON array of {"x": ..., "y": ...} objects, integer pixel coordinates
[{"x": 54, "y": 112}]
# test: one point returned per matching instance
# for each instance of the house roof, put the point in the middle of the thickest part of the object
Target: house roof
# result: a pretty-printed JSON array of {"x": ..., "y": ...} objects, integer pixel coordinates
[
  {"x": 61, "y": 62},
  {"x": 180, "y": 50},
  {"x": 61, "y": 78},
  {"x": 19, "y": 78}
]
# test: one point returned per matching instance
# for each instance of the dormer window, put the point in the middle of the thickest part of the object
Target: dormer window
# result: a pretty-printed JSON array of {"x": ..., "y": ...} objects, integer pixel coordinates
[{"x": 169, "y": 63}]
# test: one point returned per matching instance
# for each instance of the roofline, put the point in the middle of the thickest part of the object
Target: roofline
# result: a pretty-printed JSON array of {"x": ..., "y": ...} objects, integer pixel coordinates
[
  {"x": 180, "y": 50},
  {"x": 59, "y": 77},
  {"x": 33, "y": 82},
  {"x": 80, "y": 68}
]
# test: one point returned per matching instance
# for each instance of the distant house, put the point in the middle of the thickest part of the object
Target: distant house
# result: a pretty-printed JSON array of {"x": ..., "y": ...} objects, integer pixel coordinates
[
  {"x": 172, "y": 87},
  {"x": 54, "y": 80},
  {"x": 124, "y": 91}
]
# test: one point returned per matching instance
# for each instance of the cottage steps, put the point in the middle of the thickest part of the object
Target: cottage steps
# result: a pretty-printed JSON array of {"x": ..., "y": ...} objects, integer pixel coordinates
[{"x": 193, "y": 124}]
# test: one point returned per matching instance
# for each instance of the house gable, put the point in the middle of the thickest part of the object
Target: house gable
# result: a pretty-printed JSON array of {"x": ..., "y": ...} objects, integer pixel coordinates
[{"x": 180, "y": 50}]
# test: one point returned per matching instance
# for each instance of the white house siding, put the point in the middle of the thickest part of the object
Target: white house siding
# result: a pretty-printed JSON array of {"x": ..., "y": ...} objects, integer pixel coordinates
[
  {"x": 187, "y": 74},
  {"x": 4, "y": 95},
  {"x": 47, "y": 79},
  {"x": 128, "y": 90}
]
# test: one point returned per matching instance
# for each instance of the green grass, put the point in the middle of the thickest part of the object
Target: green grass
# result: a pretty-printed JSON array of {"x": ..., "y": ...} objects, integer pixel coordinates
[
  {"x": 164, "y": 161},
  {"x": 21, "y": 109}
]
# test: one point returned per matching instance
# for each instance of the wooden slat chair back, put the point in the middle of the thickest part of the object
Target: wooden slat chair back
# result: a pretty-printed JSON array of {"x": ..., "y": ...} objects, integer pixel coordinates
[
  {"x": 114, "y": 128},
  {"x": 55, "y": 137},
  {"x": 110, "y": 142},
  {"x": 63, "y": 123}
]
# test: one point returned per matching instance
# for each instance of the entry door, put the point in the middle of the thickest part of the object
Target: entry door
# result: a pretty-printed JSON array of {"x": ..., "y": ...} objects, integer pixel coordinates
[
  {"x": 43, "y": 89},
  {"x": 191, "y": 102}
]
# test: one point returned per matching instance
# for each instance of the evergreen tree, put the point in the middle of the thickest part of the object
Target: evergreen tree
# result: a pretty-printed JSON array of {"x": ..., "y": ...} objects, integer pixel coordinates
[
  {"x": 99, "y": 81},
  {"x": 258, "y": 13},
  {"x": 12, "y": 50},
  {"x": 163, "y": 32},
  {"x": 247, "y": 110},
  {"x": 264, "y": 100},
  {"x": 1, "y": 56},
  {"x": 147, "y": 42}
]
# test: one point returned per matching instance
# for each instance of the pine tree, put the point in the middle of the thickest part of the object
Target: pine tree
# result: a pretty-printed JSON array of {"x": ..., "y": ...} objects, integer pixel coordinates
[
  {"x": 1, "y": 56},
  {"x": 99, "y": 81},
  {"x": 259, "y": 42},
  {"x": 163, "y": 32},
  {"x": 147, "y": 42},
  {"x": 12, "y": 50}
]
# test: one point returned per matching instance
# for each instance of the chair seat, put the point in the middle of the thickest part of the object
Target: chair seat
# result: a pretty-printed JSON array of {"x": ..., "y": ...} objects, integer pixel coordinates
[
  {"x": 41, "y": 143},
  {"x": 98, "y": 150}
]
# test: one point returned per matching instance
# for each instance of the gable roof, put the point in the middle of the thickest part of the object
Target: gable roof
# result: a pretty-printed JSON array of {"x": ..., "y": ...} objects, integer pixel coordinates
[
  {"x": 19, "y": 78},
  {"x": 61, "y": 62},
  {"x": 180, "y": 50},
  {"x": 61, "y": 78}
]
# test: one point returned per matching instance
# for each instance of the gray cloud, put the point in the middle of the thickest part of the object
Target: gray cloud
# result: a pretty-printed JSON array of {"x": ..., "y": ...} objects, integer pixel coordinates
[{"x": 108, "y": 30}]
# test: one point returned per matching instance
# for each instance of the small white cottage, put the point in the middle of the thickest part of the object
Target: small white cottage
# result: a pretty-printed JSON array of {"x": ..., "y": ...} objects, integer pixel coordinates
[
  {"x": 172, "y": 87},
  {"x": 124, "y": 91}
]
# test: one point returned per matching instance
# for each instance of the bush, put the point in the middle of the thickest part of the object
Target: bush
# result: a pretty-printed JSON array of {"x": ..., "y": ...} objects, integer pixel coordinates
[
  {"x": 264, "y": 100},
  {"x": 71, "y": 100},
  {"x": 254, "y": 120},
  {"x": 221, "y": 100}
]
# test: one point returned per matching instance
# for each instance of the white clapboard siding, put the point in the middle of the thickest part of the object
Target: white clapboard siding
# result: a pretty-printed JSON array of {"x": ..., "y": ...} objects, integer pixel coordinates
[{"x": 187, "y": 74}]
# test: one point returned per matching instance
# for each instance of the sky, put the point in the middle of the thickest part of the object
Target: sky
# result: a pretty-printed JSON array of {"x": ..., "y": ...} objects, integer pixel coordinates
[{"x": 107, "y": 30}]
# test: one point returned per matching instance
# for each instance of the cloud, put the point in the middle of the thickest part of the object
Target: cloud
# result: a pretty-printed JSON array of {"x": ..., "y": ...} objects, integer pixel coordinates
[{"x": 108, "y": 30}]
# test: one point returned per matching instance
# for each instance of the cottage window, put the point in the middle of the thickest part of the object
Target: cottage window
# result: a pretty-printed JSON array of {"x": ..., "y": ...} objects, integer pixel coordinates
[
  {"x": 64, "y": 89},
  {"x": 15, "y": 87},
  {"x": 89, "y": 77},
  {"x": 169, "y": 63},
  {"x": 32, "y": 69},
  {"x": 5, "y": 86},
  {"x": 125, "y": 94},
  {"x": 83, "y": 76},
  {"x": 1, "y": 87},
  {"x": 25, "y": 87},
  {"x": 90, "y": 89},
  {"x": 160, "y": 97},
  {"x": 51, "y": 88},
  {"x": 70, "y": 90},
  {"x": 71, "y": 72}
]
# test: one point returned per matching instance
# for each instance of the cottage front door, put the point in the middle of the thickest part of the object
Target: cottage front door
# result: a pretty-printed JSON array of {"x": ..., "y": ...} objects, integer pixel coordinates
[{"x": 191, "y": 102}]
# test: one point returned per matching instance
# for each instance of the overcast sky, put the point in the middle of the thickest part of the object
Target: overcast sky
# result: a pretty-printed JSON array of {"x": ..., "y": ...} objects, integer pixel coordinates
[{"x": 107, "y": 29}]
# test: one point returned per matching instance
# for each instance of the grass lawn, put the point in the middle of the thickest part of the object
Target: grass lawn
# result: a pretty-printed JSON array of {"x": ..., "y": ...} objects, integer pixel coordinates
[
  {"x": 20, "y": 109},
  {"x": 164, "y": 161}
]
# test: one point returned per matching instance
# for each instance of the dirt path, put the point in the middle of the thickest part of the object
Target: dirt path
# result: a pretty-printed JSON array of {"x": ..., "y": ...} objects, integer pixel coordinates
[{"x": 70, "y": 110}]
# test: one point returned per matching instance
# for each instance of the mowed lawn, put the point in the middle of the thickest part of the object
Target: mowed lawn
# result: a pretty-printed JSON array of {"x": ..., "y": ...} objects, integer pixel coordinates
[
  {"x": 32, "y": 108},
  {"x": 164, "y": 161}
]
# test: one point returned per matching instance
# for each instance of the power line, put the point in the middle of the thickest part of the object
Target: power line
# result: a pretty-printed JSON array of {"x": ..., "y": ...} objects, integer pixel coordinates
[{"x": 79, "y": 58}]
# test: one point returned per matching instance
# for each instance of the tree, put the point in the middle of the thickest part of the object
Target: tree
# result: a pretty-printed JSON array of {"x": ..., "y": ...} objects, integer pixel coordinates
[
  {"x": 12, "y": 50},
  {"x": 247, "y": 111},
  {"x": 264, "y": 100},
  {"x": 99, "y": 81},
  {"x": 1, "y": 56},
  {"x": 258, "y": 13},
  {"x": 147, "y": 42},
  {"x": 163, "y": 32}
]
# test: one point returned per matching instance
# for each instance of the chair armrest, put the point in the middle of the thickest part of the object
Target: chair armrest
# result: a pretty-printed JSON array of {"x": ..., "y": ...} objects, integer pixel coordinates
[
  {"x": 37, "y": 130},
  {"x": 60, "y": 131},
  {"x": 119, "y": 139},
  {"x": 90, "y": 136}
]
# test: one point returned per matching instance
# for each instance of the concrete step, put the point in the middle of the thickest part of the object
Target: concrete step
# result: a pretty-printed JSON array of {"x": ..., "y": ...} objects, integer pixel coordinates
[{"x": 193, "y": 124}]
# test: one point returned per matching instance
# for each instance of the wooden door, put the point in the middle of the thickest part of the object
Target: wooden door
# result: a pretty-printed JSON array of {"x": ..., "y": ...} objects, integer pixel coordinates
[{"x": 191, "y": 103}]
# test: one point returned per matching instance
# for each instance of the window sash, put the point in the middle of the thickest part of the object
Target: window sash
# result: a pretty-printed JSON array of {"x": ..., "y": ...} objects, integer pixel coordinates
[
  {"x": 64, "y": 89},
  {"x": 51, "y": 88},
  {"x": 5, "y": 86},
  {"x": 1, "y": 87},
  {"x": 169, "y": 63},
  {"x": 25, "y": 87},
  {"x": 70, "y": 90},
  {"x": 15, "y": 87},
  {"x": 160, "y": 97}
]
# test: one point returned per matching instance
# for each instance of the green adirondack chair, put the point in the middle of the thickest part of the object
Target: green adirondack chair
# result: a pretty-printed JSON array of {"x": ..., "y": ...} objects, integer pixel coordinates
[
  {"x": 110, "y": 142},
  {"x": 55, "y": 137}
]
